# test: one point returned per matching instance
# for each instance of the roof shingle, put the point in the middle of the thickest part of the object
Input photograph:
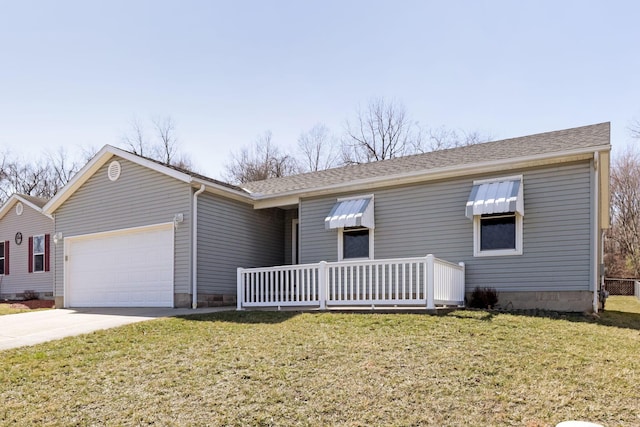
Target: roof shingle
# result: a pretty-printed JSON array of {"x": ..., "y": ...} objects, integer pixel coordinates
[{"x": 567, "y": 140}]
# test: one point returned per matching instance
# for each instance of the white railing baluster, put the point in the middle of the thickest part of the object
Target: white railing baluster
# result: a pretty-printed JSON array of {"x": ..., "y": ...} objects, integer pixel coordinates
[
  {"x": 357, "y": 284},
  {"x": 425, "y": 282}
]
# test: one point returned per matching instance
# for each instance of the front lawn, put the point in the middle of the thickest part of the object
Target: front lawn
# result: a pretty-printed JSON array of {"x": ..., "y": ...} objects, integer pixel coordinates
[
  {"x": 266, "y": 368},
  {"x": 9, "y": 309}
]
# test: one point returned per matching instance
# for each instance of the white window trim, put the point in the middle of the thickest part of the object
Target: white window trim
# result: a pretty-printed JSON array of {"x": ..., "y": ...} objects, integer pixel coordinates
[
  {"x": 496, "y": 252},
  {"x": 44, "y": 251},
  {"x": 341, "y": 245}
]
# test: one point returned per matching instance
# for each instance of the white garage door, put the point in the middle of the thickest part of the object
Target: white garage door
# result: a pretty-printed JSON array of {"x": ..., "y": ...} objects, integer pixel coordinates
[{"x": 126, "y": 268}]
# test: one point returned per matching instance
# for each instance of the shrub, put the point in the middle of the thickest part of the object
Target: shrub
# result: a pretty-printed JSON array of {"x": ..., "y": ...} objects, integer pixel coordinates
[
  {"x": 483, "y": 298},
  {"x": 29, "y": 295}
]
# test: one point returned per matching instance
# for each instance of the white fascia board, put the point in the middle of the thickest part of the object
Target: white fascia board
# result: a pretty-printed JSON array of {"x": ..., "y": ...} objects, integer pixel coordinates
[
  {"x": 88, "y": 170},
  {"x": 283, "y": 199}
]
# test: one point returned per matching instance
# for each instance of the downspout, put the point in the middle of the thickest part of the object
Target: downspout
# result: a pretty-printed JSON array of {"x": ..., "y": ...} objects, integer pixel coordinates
[
  {"x": 596, "y": 228},
  {"x": 194, "y": 249}
]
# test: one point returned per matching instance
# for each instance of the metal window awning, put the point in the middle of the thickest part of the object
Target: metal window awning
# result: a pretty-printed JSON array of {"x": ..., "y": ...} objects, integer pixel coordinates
[
  {"x": 351, "y": 213},
  {"x": 496, "y": 197}
]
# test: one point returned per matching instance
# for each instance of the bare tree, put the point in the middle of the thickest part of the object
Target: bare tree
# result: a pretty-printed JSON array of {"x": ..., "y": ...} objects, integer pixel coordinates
[
  {"x": 442, "y": 138},
  {"x": 162, "y": 145},
  {"x": 318, "y": 149},
  {"x": 136, "y": 140},
  {"x": 382, "y": 131},
  {"x": 167, "y": 142},
  {"x": 62, "y": 168},
  {"x": 634, "y": 128},
  {"x": 33, "y": 179},
  {"x": 262, "y": 160},
  {"x": 41, "y": 178},
  {"x": 623, "y": 248}
]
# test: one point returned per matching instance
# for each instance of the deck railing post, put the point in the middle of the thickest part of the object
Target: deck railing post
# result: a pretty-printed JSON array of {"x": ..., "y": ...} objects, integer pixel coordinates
[
  {"x": 240, "y": 283},
  {"x": 430, "y": 282},
  {"x": 323, "y": 284}
]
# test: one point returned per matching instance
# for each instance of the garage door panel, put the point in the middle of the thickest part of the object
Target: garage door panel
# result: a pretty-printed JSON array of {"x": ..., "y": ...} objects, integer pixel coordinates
[{"x": 124, "y": 268}]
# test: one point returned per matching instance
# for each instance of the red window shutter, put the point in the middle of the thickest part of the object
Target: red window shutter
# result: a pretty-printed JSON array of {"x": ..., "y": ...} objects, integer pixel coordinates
[
  {"x": 6, "y": 258},
  {"x": 47, "y": 243},
  {"x": 31, "y": 254}
]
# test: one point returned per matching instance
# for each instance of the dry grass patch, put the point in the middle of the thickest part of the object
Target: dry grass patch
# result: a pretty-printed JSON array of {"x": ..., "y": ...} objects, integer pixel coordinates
[
  {"x": 264, "y": 368},
  {"x": 12, "y": 309}
]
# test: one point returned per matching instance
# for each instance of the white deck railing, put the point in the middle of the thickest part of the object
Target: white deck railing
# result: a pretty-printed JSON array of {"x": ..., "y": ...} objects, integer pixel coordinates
[{"x": 424, "y": 282}]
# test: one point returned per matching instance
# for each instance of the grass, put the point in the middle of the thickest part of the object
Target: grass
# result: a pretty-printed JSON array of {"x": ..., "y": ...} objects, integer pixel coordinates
[
  {"x": 283, "y": 368},
  {"x": 7, "y": 309}
]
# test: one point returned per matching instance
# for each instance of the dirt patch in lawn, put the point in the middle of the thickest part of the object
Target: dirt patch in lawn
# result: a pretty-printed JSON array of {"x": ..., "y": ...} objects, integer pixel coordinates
[{"x": 31, "y": 304}]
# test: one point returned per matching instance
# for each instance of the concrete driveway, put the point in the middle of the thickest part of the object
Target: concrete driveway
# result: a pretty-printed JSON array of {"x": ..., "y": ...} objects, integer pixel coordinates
[{"x": 22, "y": 329}]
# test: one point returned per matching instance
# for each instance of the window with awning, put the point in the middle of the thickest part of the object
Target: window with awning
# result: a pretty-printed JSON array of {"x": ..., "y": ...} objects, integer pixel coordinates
[
  {"x": 354, "y": 220},
  {"x": 353, "y": 212},
  {"x": 496, "y": 207}
]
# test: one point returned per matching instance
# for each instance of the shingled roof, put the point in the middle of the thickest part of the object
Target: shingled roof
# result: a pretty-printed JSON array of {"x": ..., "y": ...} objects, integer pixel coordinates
[
  {"x": 548, "y": 143},
  {"x": 37, "y": 201}
]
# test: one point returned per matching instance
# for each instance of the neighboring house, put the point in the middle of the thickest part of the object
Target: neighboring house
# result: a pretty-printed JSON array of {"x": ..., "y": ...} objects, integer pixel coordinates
[
  {"x": 524, "y": 215},
  {"x": 25, "y": 243}
]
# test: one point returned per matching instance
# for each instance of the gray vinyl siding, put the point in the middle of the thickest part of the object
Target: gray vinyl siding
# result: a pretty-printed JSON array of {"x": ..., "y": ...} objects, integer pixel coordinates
[
  {"x": 232, "y": 234},
  {"x": 30, "y": 223},
  {"x": 140, "y": 197},
  {"x": 289, "y": 216},
  {"x": 430, "y": 218}
]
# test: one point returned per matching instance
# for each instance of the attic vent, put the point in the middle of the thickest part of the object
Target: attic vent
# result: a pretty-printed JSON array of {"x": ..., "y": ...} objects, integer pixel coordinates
[
  {"x": 114, "y": 170},
  {"x": 19, "y": 209}
]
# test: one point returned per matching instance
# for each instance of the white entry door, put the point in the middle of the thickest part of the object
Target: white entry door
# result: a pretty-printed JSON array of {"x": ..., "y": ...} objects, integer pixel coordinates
[{"x": 123, "y": 268}]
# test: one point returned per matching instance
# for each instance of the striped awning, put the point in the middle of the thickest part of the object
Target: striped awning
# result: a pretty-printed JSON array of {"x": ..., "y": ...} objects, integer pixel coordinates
[
  {"x": 351, "y": 213},
  {"x": 496, "y": 197}
]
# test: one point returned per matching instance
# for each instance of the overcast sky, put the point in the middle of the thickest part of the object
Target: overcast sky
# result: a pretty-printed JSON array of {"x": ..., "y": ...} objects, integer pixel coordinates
[{"x": 75, "y": 73}]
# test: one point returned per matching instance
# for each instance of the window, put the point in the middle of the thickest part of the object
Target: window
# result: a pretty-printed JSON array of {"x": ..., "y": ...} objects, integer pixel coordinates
[
  {"x": 496, "y": 207},
  {"x": 353, "y": 218},
  {"x": 498, "y": 234},
  {"x": 38, "y": 253},
  {"x": 2, "y": 258},
  {"x": 355, "y": 243}
]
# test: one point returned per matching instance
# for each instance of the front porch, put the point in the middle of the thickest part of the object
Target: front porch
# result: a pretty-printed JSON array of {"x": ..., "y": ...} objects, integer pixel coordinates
[{"x": 424, "y": 282}]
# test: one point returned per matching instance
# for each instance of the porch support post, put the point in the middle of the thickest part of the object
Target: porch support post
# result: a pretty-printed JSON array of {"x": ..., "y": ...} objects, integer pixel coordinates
[
  {"x": 240, "y": 284},
  {"x": 323, "y": 284},
  {"x": 430, "y": 284}
]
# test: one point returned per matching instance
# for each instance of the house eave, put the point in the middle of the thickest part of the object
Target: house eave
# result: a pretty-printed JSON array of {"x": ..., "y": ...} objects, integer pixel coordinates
[{"x": 294, "y": 196}]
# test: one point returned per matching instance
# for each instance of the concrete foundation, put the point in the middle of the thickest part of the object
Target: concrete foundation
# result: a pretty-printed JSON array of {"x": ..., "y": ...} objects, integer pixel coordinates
[
  {"x": 182, "y": 300},
  {"x": 27, "y": 295},
  {"x": 567, "y": 301},
  {"x": 216, "y": 300}
]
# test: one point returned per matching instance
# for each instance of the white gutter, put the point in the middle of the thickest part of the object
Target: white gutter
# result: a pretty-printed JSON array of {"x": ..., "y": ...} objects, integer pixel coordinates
[
  {"x": 194, "y": 249},
  {"x": 596, "y": 228}
]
